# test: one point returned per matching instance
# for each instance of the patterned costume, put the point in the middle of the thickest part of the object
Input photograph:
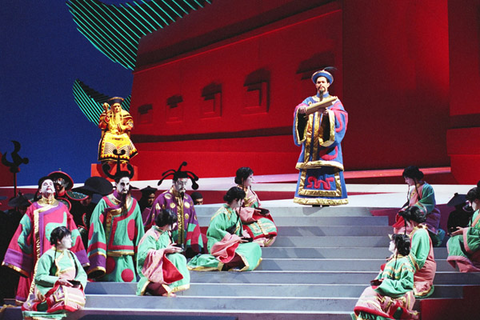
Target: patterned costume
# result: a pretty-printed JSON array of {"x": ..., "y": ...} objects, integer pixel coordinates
[
  {"x": 113, "y": 238},
  {"x": 116, "y": 129},
  {"x": 47, "y": 295},
  {"x": 464, "y": 249},
  {"x": 320, "y": 181},
  {"x": 187, "y": 232},
  {"x": 32, "y": 239},
  {"x": 422, "y": 259},
  {"x": 393, "y": 298},
  {"x": 260, "y": 227},
  {"x": 425, "y": 201},
  {"x": 154, "y": 265},
  {"x": 224, "y": 244}
]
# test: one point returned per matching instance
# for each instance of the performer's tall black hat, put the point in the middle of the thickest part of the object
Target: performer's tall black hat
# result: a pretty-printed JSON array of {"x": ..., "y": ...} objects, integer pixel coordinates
[{"x": 177, "y": 174}]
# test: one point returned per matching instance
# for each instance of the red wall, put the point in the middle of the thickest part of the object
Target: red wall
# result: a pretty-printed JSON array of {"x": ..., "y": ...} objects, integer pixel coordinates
[
  {"x": 218, "y": 87},
  {"x": 462, "y": 137}
]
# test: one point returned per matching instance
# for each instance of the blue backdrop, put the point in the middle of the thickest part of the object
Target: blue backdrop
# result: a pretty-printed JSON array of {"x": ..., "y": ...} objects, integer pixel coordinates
[{"x": 41, "y": 55}]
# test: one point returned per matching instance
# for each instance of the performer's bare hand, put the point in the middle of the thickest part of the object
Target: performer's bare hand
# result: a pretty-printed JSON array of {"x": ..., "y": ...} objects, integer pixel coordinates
[
  {"x": 458, "y": 231},
  {"x": 64, "y": 282},
  {"x": 173, "y": 249}
]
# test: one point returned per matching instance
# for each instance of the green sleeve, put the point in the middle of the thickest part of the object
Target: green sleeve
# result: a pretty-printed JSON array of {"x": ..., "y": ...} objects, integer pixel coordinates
[
  {"x": 42, "y": 275},
  {"x": 81, "y": 274},
  {"x": 428, "y": 198},
  {"x": 148, "y": 243},
  {"x": 400, "y": 285},
  {"x": 420, "y": 247}
]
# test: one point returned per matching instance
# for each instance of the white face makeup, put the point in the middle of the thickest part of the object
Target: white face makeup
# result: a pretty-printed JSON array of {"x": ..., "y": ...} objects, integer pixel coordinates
[
  {"x": 47, "y": 187},
  {"x": 123, "y": 185},
  {"x": 181, "y": 185},
  {"x": 249, "y": 181},
  {"x": 475, "y": 204},
  {"x": 236, "y": 204},
  {"x": 391, "y": 246},
  {"x": 409, "y": 181},
  {"x": 66, "y": 242}
]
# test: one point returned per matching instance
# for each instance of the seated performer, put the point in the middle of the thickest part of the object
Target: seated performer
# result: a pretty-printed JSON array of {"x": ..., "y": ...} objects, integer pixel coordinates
[
  {"x": 464, "y": 245},
  {"x": 390, "y": 295},
  {"x": 319, "y": 125},
  {"x": 257, "y": 222},
  {"x": 32, "y": 237},
  {"x": 59, "y": 280},
  {"x": 462, "y": 214},
  {"x": 116, "y": 125},
  {"x": 187, "y": 230},
  {"x": 229, "y": 250},
  {"x": 162, "y": 268},
  {"x": 115, "y": 230},
  {"x": 421, "y": 251},
  {"x": 423, "y": 197}
]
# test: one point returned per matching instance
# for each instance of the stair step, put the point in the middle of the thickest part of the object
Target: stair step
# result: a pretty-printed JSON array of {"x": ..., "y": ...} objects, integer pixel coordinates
[
  {"x": 345, "y": 252},
  {"x": 331, "y": 241},
  {"x": 272, "y": 290},
  {"x": 295, "y": 211},
  {"x": 147, "y": 314},
  {"x": 334, "y": 231},
  {"x": 308, "y": 221},
  {"x": 126, "y": 302},
  {"x": 351, "y": 264}
]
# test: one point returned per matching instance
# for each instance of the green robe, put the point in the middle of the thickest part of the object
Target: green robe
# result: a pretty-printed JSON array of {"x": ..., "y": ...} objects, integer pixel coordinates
[
  {"x": 464, "y": 249},
  {"x": 154, "y": 242},
  {"x": 113, "y": 239},
  {"x": 226, "y": 219},
  {"x": 52, "y": 266},
  {"x": 393, "y": 298}
]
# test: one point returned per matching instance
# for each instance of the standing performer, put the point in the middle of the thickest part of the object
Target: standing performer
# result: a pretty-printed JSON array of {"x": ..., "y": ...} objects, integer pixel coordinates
[
  {"x": 32, "y": 237},
  {"x": 187, "y": 231},
  {"x": 116, "y": 228},
  {"x": 320, "y": 123},
  {"x": 116, "y": 125}
]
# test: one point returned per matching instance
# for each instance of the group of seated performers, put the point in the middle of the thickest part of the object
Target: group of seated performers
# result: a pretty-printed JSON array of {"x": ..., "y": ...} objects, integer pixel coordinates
[{"x": 122, "y": 246}]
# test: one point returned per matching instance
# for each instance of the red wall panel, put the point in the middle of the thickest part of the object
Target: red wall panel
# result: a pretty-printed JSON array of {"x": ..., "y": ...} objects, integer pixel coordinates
[{"x": 220, "y": 85}]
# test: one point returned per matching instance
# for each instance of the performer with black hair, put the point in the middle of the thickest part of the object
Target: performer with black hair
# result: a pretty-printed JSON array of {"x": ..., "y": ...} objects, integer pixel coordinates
[
  {"x": 187, "y": 230},
  {"x": 464, "y": 245},
  {"x": 421, "y": 251},
  {"x": 390, "y": 295},
  {"x": 257, "y": 222},
  {"x": 162, "y": 267},
  {"x": 115, "y": 230},
  {"x": 319, "y": 126},
  {"x": 59, "y": 280},
  {"x": 422, "y": 195},
  {"x": 228, "y": 248},
  {"x": 32, "y": 237}
]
